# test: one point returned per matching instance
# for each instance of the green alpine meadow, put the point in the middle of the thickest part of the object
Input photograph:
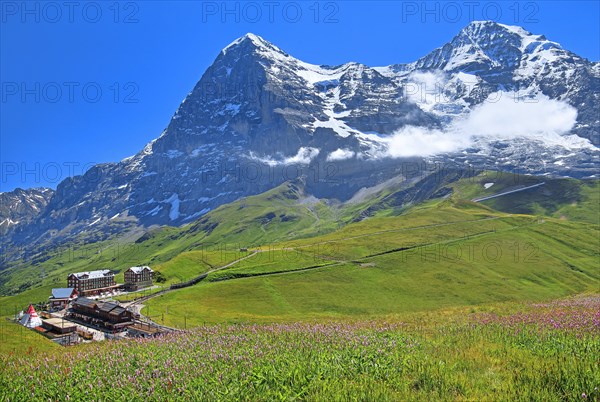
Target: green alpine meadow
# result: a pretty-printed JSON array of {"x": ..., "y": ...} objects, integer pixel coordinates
[
  {"x": 328, "y": 201},
  {"x": 449, "y": 299}
]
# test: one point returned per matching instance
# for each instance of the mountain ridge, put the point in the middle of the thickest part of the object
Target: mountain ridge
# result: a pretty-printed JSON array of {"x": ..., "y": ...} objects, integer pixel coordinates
[{"x": 259, "y": 116}]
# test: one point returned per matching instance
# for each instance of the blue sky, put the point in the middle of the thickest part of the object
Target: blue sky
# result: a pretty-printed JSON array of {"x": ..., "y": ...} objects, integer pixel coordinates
[{"x": 95, "y": 81}]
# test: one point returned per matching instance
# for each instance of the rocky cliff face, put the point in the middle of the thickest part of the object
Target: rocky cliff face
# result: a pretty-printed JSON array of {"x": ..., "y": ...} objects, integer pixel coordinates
[
  {"x": 19, "y": 207},
  {"x": 259, "y": 117}
]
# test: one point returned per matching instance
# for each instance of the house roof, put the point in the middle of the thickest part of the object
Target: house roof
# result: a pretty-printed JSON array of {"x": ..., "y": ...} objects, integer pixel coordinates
[
  {"x": 117, "y": 311},
  {"x": 84, "y": 301},
  {"x": 139, "y": 270},
  {"x": 106, "y": 307},
  {"x": 62, "y": 293},
  {"x": 60, "y": 323},
  {"x": 31, "y": 319},
  {"x": 93, "y": 274},
  {"x": 31, "y": 311}
]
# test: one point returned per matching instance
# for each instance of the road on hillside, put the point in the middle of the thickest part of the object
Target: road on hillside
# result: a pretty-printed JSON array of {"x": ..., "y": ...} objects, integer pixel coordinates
[
  {"x": 507, "y": 192},
  {"x": 335, "y": 262}
]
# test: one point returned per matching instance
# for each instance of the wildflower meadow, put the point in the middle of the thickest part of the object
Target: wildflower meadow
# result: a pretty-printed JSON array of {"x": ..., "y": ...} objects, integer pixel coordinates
[{"x": 544, "y": 352}]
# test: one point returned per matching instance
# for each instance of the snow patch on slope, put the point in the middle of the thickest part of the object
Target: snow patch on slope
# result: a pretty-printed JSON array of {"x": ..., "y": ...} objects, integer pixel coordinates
[{"x": 174, "y": 201}]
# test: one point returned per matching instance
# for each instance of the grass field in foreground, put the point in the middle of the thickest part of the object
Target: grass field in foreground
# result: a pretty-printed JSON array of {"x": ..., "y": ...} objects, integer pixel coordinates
[
  {"x": 428, "y": 305},
  {"x": 18, "y": 340},
  {"x": 543, "y": 352}
]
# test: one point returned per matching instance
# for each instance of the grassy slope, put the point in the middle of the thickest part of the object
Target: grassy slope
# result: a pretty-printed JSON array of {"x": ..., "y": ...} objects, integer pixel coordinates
[
  {"x": 183, "y": 253},
  {"x": 282, "y": 219},
  {"x": 523, "y": 259},
  {"x": 446, "y": 355},
  {"x": 567, "y": 199},
  {"x": 22, "y": 341},
  {"x": 214, "y": 241}
]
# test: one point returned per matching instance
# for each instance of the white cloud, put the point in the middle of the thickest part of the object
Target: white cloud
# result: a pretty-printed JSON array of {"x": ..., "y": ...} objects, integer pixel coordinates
[
  {"x": 419, "y": 141},
  {"x": 503, "y": 116},
  {"x": 304, "y": 156},
  {"x": 341, "y": 154}
]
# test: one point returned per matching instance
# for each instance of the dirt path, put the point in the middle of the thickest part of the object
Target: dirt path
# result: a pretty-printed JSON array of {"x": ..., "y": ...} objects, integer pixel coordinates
[
  {"x": 507, "y": 192},
  {"x": 236, "y": 261},
  {"x": 335, "y": 261}
]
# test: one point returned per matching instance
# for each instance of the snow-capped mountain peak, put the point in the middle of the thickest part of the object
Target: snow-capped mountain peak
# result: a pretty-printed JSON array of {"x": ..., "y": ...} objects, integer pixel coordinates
[
  {"x": 479, "y": 47},
  {"x": 484, "y": 46},
  {"x": 251, "y": 42},
  {"x": 257, "y": 109}
]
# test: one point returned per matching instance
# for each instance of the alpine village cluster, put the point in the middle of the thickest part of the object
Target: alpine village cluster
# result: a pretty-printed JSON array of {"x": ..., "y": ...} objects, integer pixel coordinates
[{"x": 85, "y": 310}]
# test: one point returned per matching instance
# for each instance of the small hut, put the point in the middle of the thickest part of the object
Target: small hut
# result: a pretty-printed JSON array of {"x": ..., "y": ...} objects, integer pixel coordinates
[{"x": 30, "y": 318}]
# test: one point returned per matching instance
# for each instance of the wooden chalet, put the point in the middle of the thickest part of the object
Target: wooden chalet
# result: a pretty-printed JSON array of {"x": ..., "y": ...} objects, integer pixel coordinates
[
  {"x": 105, "y": 314},
  {"x": 61, "y": 297}
]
